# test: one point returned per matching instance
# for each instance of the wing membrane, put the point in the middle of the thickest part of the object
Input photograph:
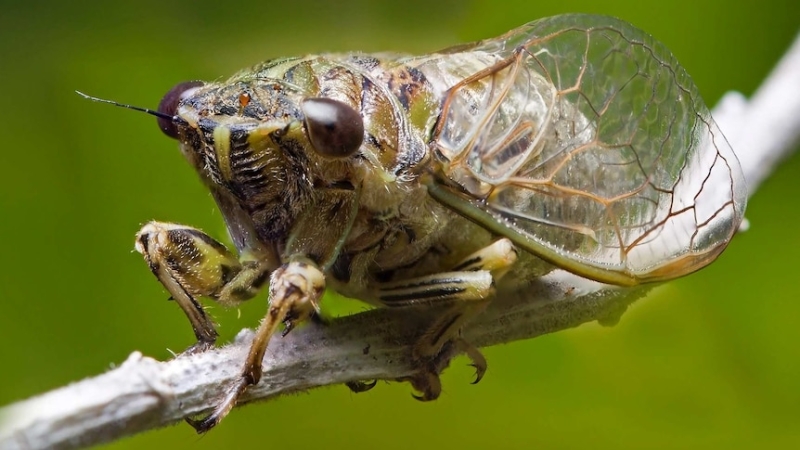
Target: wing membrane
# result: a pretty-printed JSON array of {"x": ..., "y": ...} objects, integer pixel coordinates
[{"x": 590, "y": 143}]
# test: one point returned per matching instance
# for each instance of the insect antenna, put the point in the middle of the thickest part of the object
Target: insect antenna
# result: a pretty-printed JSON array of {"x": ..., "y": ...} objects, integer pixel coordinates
[{"x": 152, "y": 112}]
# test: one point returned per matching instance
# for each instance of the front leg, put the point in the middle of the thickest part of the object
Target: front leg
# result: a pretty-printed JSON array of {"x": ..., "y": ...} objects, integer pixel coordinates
[
  {"x": 294, "y": 293},
  {"x": 191, "y": 264},
  {"x": 297, "y": 286}
]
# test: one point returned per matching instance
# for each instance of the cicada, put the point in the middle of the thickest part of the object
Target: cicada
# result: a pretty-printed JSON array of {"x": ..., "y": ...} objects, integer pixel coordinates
[{"x": 575, "y": 142}]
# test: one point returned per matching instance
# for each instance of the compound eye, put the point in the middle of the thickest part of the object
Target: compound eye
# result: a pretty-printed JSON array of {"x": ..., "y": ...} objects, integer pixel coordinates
[
  {"x": 335, "y": 129},
  {"x": 169, "y": 105}
]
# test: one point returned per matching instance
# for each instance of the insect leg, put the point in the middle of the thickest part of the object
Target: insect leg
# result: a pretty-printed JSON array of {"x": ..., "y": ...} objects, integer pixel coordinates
[
  {"x": 361, "y": 386},
  {"x": 294, "y": 293},
  {"x": 471, "y": 286},
  {"x": 296, "y": 287},
  {"x": 190, "y": 264}
]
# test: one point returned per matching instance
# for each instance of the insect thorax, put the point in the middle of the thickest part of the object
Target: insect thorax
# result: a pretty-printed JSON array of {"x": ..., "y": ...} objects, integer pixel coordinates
[{"x": 245, "y": 137}]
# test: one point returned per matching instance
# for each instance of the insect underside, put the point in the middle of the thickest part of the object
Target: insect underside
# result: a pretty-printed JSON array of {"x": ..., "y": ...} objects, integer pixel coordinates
[{"x": 574, "y": 142}]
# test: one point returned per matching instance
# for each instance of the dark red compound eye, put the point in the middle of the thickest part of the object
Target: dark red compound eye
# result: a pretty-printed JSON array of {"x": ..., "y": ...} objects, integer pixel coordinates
[
  {"x": 335, "y": 129},
  {"x": 169, "y": 106}
]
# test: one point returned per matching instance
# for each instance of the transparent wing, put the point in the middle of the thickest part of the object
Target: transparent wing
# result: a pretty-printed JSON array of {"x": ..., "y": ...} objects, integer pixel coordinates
[{"x": 582, "y": 139}]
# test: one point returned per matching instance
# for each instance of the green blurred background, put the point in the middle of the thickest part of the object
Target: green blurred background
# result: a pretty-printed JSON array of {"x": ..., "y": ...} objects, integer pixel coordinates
[{"x": 708, "y": 361}]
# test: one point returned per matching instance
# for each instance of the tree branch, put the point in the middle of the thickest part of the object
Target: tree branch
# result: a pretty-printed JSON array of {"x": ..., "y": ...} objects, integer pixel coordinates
[{"x": 144, "y": 394}]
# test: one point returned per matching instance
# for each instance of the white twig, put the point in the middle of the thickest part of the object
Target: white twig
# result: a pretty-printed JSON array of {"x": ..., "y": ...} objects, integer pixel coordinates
[
  {"x": 766, "y": 128},
  {"x": 143, "y": 394}
]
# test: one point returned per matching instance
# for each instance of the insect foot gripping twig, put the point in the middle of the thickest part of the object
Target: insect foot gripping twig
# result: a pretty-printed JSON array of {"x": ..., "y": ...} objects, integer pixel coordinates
[
  {"x": 295, "y": 290},
  {"x": 467, "y": 287}
]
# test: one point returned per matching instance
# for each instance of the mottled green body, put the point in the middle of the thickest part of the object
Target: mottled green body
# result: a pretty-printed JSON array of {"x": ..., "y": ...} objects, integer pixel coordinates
[{"x": 398, "y": 230}]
